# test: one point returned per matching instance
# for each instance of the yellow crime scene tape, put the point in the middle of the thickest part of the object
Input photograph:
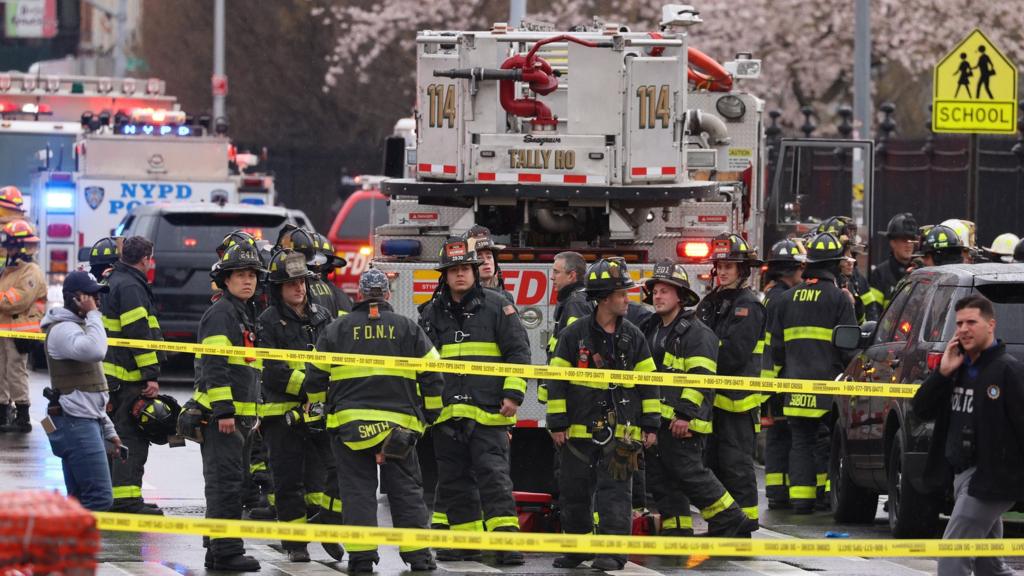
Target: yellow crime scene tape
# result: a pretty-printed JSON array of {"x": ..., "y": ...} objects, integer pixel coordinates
[
  {"x": 555, "y": 543},
  {"x": 524, "y": 371}
]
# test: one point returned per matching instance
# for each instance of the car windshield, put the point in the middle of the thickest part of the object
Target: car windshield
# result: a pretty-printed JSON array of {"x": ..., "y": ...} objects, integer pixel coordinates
[
  {"x": 203, "y": 232},
  {"x": 359, "y": 221},
  {"x": 1008, "y": 300}
]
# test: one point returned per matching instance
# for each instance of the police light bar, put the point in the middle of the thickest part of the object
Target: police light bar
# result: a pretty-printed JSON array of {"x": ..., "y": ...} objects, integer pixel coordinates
[
  {"x": 158, "y": 117},
  {"x": 151, "y": 130}
]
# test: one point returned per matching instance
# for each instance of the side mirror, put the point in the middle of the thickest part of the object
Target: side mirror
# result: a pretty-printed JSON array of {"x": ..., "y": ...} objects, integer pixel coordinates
[{"x": 846, "y": 337}]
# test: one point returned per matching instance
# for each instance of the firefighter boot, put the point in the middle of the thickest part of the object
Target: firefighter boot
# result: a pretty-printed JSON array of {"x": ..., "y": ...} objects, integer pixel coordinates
[
  {"x": 508, "y": 557},
  {"x": 237, "y": 563},
  {"x": 263, "y": 513},
  {"x": 21, "y": 423},
  {"x": 297, "y": 554}
]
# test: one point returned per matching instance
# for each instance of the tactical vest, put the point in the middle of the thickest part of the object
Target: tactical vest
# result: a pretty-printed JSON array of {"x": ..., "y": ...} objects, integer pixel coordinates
[{"x": 70, "y": 375}]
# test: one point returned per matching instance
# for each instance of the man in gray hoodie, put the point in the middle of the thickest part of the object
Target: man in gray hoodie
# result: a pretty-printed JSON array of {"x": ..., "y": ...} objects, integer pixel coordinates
[{"x": 75, "y": 346}]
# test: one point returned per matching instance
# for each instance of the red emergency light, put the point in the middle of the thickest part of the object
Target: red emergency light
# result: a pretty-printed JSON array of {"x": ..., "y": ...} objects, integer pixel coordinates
[
  {"x": 693, "y": 250},
  {"x": 58, "y": 231}
]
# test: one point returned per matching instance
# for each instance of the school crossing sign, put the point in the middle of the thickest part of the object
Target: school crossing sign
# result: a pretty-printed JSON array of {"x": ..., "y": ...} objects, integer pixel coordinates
[{"x": 975, "y": 89}]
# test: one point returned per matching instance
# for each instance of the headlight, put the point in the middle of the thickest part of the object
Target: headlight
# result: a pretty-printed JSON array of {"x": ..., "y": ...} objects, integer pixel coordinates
[{"x": 731, "y": 107}]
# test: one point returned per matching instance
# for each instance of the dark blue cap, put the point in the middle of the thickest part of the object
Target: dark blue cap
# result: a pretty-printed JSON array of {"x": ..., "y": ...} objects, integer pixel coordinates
[{"x": 81, "y": 281}]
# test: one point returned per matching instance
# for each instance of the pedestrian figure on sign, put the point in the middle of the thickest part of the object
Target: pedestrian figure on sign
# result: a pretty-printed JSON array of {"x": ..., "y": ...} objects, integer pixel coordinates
[
  {"x": 985, "y": 71},
  {"x": 965, "y": 71}
]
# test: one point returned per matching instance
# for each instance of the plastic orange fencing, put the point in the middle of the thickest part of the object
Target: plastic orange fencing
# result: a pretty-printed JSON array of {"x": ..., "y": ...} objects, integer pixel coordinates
[{"x": 46, "y": 533}]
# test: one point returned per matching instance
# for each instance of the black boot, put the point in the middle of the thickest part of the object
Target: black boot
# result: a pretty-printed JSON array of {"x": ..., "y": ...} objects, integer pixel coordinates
[{"x": 21, "y": 422}]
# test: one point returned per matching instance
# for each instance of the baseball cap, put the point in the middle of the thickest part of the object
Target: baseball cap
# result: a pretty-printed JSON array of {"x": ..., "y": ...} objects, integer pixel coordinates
[{"x": 82, "y": 281}]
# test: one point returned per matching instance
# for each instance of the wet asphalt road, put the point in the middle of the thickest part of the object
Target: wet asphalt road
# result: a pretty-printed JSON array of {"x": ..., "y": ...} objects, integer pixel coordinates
[{"x": 174, "y": 481}]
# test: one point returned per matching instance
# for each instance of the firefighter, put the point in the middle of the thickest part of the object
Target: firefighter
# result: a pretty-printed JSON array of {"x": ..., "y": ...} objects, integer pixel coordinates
[
  {"x": 295, "y": 443},
  {"x": 801, "y": 345},
  {"x": 567, "y": 273},
  {"x": 942, "y": 245},
  {"x": 228, "y": 389},
  {"x": 487, "y": 251},
  {"x": 320, "y": 292},
  {"x": 12, "y": 205},
  {"x": 334, "y": 263},
  {"x": 375, "y": 416},
  {"x": 102, "y": 256},
  {"x": 601, "y": 429},
  {"x": 22, "y": 305},
  {"x": 471, "y": 441},
  {"x": 676, "y": 474},
  {"x": 902, "y": 233},
  {"x": 851, "y": 279},
  {"x": 785, "y": 270},
  {"x": 1002, "y": 247},
  {"x": 736, "y": 315},
  {"x": 129, "y": 311}
]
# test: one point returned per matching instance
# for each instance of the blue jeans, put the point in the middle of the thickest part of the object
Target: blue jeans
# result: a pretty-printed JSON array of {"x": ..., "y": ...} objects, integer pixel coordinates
[{"x": 79, "y": 443}]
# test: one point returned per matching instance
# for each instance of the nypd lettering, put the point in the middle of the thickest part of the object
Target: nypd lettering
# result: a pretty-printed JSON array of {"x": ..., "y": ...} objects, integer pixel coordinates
[{"x": 137, "y": 193}]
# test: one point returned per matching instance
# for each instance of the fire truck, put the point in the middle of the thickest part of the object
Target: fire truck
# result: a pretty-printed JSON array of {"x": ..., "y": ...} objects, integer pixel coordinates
[
  {"x": 94, "y": 150},
  {"x": 602, "y": 140}
]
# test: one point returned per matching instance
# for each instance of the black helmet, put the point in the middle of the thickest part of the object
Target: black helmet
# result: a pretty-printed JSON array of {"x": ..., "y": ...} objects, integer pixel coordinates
[
  {"x": 105, "y": 251},
  {"x": 606, "y": 276},
  {"x": 304, "y": 242},
  {"x": 843, "y": 228},
  {"x": 324, "y": 246},
  {"x": 374, "y": 284},
  {"x": 941, "y": 238},
  {"x": 729, "y": 247},
  {"x": 156, "y": 417},
  {"x": 483, "y": 238},
  {"x": 824, "y": 247},
  {"x": 233, "y": 238},
  {"x": 456, "y": 251},
  {"x": 1018, "y": 252},
  {"x": 902, "y": 225},
  {"x": 288, "y": 265},
  {"x": 668, "y": 272},
  {"x": 787, "y": 251},
  {"x": 238, "y": 257}
]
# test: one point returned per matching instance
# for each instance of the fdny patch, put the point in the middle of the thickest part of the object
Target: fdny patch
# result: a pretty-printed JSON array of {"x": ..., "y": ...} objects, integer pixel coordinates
[
  {"x": 993, "y": 392},
  {"x": 742, "y": 312},
  {"x": 509, "y": 310}
]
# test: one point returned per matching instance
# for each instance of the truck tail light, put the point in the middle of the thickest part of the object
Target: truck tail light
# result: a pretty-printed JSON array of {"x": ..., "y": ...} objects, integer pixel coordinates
[
  {"x": 693, "y": 250},
  {"x": 58, "y": 261},
  {"x": 151, "y": 273},
  {"x": 366, "y": 251},
  {"x": 58, "y": 231},
  {"x": 934, "y": 359},
  {"x": 401, "y": 248}
]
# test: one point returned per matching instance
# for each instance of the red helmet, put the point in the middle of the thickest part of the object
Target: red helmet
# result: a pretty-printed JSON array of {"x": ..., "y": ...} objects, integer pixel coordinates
[
  {"x": 19, "y": 232},
  {"x": 10, "y": 198}
]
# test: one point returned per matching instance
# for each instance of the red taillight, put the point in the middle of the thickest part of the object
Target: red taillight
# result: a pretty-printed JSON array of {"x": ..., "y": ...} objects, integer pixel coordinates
[
  {"x": 934, "y": 359},
  {"x": 59, "y": 255},
  {"x": 366, "y": 251},
  {"x": 693, "y": 250},
  {"x": 58, "y": 230},
  {"x": 58, "y": 261},
  {"x": 151, "y": 272},
  {"x": 191, "y": 242}
]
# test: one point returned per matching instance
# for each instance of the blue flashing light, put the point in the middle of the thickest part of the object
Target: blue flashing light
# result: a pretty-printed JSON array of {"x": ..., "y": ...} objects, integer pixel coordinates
[
  {"x": 60, "y": 200},
  {"x": 401, "y": 248},
  {"x": 253, "y": 201}
]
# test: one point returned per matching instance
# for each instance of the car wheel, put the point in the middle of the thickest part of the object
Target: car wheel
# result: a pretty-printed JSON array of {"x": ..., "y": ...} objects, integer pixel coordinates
[
  {"x": 912, "y": 514},
  {"x": 850, "y": 502}
]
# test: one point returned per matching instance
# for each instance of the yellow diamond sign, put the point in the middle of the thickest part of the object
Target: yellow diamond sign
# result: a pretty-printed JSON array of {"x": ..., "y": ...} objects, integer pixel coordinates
[{"x": 975, "y": 89}]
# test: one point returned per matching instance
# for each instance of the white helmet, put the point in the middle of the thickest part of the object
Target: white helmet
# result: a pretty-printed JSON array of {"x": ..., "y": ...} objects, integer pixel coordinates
[
  {"x": 1002, "y": 247},
  {"x": 964, "y": 229}
]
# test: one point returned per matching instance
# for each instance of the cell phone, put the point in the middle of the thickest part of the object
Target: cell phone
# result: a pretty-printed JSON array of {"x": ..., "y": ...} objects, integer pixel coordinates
[
  {"x": 960, "y": 347},
  {"x": 122, "y": 453}
]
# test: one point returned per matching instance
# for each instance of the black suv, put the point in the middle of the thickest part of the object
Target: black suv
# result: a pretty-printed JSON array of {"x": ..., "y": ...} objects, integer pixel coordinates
[
  {"x": 878, "y": 446},
  {"x": 185, "y": 238}
]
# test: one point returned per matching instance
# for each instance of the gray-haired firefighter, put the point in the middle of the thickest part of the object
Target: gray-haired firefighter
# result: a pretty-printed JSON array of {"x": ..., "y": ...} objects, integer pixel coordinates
[
  {"x": 293, "y": 435},
  {"x": 737, "y": 316},
  {"x": 676, "y": 474},
  {"x": 601, "y": 429},
  {"x": 801, "y": 344},
  {"x": 227, "y": 387},
  {"x": 376, "y": 415},
  {"x": 471, "y": 441}
]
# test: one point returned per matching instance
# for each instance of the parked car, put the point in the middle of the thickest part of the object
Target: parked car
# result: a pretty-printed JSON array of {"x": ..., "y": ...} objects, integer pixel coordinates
[
  {"x": 185, "y": 239},
  {"x": 351, "y": 234},
  {"x": 878, "y": 445}
]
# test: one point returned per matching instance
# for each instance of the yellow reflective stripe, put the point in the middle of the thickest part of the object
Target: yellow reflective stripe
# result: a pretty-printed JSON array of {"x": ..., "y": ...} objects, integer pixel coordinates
[
  {"x": 677, "y": 522},
  {"x": 876, "y": 295},
  {"x": 651, "y": 405},
  {"x": 314, "y": 397},
  {"x": 332, "y": 504},
  {"x": 439, "y": 518},
  {"x": 767, "y": 338},
  {"x": 272, "y": 498},
  {"x": 147, "y": 359},
  {"x": 514, "y": 383},
  {"x": 369, "y": 442},
  {"x": 669, "y": 360},
  {"x": 296, "y": 365},
  {"x": 693, "y": 396},
  {"x": 552, "y": 344},
  {"x": 336, "y": 419},
  {"x": 474, "y": 526},
  {"x": 559, "y": 362},
  {"x": 583, "y": 431},
  {"x": 408, "y": 549},
  {"x": 822, "y": 479},
  {"x": 491, "y": 524},
  {"x": 360, "y": 547},
  {"x": 570, "y": 321},
  {"x": 351, "y": 372},
  {"x": 153, "y": 322},
  {"x": 701, "y": 426},
  {"x": 721, "y": 504},
  {"x": 295, "y": 382},
  {"x": 257, "y": 467},
  {"x": 751, "y": 512},
  {"x": 803, "y": 492},
  {"x": 313, "y": 498},
  {"x": 743, "y": 405},
  {"x": 775, "y": 479},
  {"x": 219, "y": 393},
  {"x": 216, "y": 340},
  {"x": 556, "y": 406},
  {"x": 542, "y": 393},
  {"x": 121, "y": 373},
  {"x": 276, "y": 408},
  {"x": 127, "y": 492},
  {"x": 470, "y": 349},
  {"x": 238, "y": 361},
  {"x": 803, "y": 412},
  {"x": 700, "y": 362},
  {"x": 111, "y": 324},
  {"x": 767, "y": 373},
  {"x": 133, "y": 315},
  {"x": 433, "y": 402},
  {"x": 201, "y": 398},
  {"x": 759, "y": 347},
  {"x": 807, "y": 333},
  {"x": 245, "y": 408},
  {"x": 647, "y": 365},
  {"x": 475, "y": 413}
]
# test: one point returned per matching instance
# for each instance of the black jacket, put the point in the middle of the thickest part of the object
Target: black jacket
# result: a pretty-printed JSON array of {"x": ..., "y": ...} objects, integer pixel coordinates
[
  {"x": 129, "y": 312},
  {"x": 572, "y": 304},
  {"x": 691, "y": 348},
  {"x": 580, "y": 408},
  {"x": 998, "y": 425},
  {"x": 280, "y": 327},
  {"x": 364, "y": 403},
  {"x": 483, "y": 327},
  {"x": 884, "y": 279},
  {"x": 738, "y": 318},
  {"x": 328, "y": 296},
  {"x": 228, "y": 386}
]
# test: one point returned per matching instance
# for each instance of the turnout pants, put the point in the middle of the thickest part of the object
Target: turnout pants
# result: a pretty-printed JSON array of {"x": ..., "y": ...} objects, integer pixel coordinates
[
  {"x": 731, "y": 456},
  {"x": 127, "y": 476},
  {"x": 295, "y": 454},
  {"x": 973, "y": 518},
  {"x": 225, "y": 464},
  {"x": 13, "y": 374},
  {"x": 822, "y": 452},
  {"x": 803, "y": 461},
  {"x": 676, "y": 475},
  {"x": 585, "y": 484},
  {"x": 400, "y": 480},
  {"x": 473, "y": 460},
  {"x": 776, "y": 461}
]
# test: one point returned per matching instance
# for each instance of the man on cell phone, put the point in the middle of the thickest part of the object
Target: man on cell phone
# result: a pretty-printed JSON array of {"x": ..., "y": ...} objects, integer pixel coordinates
[
  {"x": 974, "y": 398},
  {"x": 77, "y": 422}
]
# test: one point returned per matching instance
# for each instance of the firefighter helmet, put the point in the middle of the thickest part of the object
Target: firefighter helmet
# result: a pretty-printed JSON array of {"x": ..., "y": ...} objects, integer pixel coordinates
[
  {"x": 729, "y": 247},
  {"x": 11, "y": 199},
  {"x": 457, "y": 251},
  {"x": 304, "y": 242},
  {"x": 374, "y": 284},
  {"x": 288, "y": 265},
  {"x": 787, "y": 251},
  {"x": 156, "y": 417},
  {"x": 238, "y": 257},
  {"x": 324, "y": 246},
  {"x": 843, "y": 228},
  {"x": 105, "y": 251},
  {"x": 19, "y": 233},
  {"x": 941, "y": 238},
  {"x": 964, "y": 229},
  {"x": 484, "y": 240},
  {"x": 825, "y": 247},
  {"x": 233, "y": 238},
  {"x": 902, "y": 225},
  {"x": 673, "y": 274},
  {"x": 1002, "y": 247},
  {"x": 606, "y": 276},
  {"x": 1018, "y": 252}
]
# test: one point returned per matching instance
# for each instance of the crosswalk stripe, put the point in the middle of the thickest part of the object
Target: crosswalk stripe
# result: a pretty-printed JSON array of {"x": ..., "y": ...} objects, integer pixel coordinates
[
  {"x": 145, "y": 568},
  {"x": 631, "y": 569},
  {"x": 463, "y": 566},
  {"x": 304, "y": 568},
  {"x": 769, "y": 567},
  {"x": 108, "y": 569}
]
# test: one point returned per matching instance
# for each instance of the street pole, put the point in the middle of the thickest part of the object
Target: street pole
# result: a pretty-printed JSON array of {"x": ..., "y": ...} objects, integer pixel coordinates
[
  {"x": 218, "y": 56},
  {"x": 516, "y": 12},
  {"x": 120, "y": 58},
  {"x": 862, "y": 70}
]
